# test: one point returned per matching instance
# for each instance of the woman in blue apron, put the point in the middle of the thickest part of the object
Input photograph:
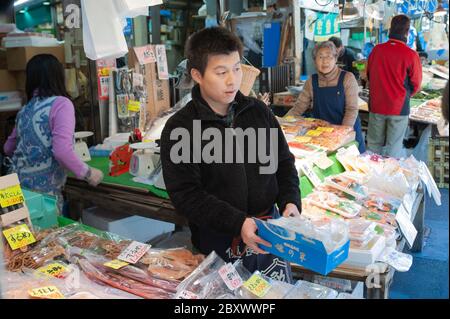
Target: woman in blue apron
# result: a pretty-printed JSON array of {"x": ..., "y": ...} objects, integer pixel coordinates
[
  {"x": 331, "y": 94},
  {"x": 41, "y": 145}
]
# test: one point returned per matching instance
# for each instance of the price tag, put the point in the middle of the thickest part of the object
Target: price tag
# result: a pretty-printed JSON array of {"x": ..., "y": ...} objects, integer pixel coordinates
[
  {"x": 134, "y": 252},
  {"x": 116, "y": 264},
  {"x": 56, "y": 270},
  {"x": 406, "y": 226},
  {"x": 19, "y": 236},
  {"x": 307, "y": 169},
  {"x": 11, "y": 196},
  {"x": 49, "y": 292},
  {"x": 134, "y": 106},
  {"x": 185, "y": 294},
  {"x": 258, "y": 285},
  {"x": 313, "y": 133},
  {"x": 429, "y": 181},
  {"x": 303, "y": 139},
  {"x": 325, "y": 129},
  {"x": 230, "y": 276}
]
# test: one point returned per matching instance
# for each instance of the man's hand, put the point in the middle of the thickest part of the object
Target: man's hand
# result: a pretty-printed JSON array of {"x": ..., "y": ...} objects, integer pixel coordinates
[
  {"x": 248, "y": 234},
  {"x": 265, "y": 98},
  {"x": 291, "y": 210}
]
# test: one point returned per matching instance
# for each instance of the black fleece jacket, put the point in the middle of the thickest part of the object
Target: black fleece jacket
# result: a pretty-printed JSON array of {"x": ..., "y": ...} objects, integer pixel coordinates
[{"x": 217, "y": 197}]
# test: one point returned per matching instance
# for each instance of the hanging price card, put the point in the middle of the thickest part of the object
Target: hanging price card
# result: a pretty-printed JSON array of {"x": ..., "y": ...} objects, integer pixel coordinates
[
  {"x": 116, "y": 264},
  {"x": 134, "y": 252},
  {"x": 11, "y": 196},
  {"x": 19, "y": 236},
  {"x": 257, "y": 285},
  {"x": 49, "y": 292}
]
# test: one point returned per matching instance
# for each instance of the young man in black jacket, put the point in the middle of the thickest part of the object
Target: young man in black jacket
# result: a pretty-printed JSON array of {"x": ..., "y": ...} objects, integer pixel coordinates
[{"x": 225, "y": 159}]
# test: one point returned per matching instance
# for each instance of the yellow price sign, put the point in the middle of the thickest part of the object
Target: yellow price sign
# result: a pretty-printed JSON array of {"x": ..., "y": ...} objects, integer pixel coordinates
[
  {"x": 303, "y": 139},
  {"x": 56, "y": 270},
  {"x": 313, "y": 133},
  {"x": 134, "y": 106},
  {"x": 325, "y": 129},
  {"x": 49, "y": 292},
  {"x": 257, "y": 285},
  {"x": 19, "y": 236},
  {"x": 309, "y": 119},
  {"x": 116, "y": 264},
  {"x": 11, "y": 196}
]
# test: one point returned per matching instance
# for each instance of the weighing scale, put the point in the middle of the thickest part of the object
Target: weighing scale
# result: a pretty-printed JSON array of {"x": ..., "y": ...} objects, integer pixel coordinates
[
  {"x": 145, "y": 160},
  {"x": 81, "y": 148}
]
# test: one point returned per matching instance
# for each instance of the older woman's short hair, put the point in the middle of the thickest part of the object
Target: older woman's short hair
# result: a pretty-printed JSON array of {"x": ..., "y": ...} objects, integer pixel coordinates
[{"x": 324, "y": 45}]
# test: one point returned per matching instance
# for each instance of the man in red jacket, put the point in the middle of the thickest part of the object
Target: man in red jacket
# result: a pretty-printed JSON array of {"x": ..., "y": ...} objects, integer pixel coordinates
[{"x": 395, "y": 74}]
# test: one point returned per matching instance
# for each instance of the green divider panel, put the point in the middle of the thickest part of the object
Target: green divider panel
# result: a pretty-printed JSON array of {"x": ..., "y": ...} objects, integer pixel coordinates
[{"x": 126, "y": 179}]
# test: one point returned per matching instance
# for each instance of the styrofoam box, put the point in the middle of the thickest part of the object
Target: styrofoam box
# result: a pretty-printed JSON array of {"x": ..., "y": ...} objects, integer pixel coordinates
[
  {"x": 137, "y": 228},
  {"x": 365, "y": 257}
]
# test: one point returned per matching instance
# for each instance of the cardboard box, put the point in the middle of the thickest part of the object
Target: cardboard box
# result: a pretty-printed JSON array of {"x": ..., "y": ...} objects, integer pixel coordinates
[
  {"x": 144, "y": 60},
  {"x": 296, "y": 248},
  {"x": 284, "y": 98},
  {"x": 21, "y": 80},
  {"x": 7, "y": 81},
  {"x": 17, "y": 58}
]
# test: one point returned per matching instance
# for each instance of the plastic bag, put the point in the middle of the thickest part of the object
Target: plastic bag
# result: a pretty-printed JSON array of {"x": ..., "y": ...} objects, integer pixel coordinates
[
  {"x": 259, "y": 286},
  {"x": 308, "y": 290},
  {"x": 203, "y": 281},
  {"x": 171, "y": 264},
  {"x": 102, "y": 30},
  {"x": 348, "y": 184}
]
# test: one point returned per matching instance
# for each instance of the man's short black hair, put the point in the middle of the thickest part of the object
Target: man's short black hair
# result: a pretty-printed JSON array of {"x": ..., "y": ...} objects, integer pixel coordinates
[
  {"x": 400, "y": 25},
  {"x": 337, "y": 41},
  {"x": 210, "y": 41}
]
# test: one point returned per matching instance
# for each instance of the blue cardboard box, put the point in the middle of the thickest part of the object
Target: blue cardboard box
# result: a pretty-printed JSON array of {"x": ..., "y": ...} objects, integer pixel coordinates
[{"x": 296, "y": 248}]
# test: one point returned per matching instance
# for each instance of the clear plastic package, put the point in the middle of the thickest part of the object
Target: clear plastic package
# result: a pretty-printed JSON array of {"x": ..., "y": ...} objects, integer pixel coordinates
[{"x": 308, "y": 290}]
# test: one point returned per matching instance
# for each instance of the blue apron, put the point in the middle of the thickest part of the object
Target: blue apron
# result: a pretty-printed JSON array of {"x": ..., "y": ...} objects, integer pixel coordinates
[
  {"x": 33, "y": 159},
  {"x": 329, "y": 105},
  {"x": 269, "y": 265}
]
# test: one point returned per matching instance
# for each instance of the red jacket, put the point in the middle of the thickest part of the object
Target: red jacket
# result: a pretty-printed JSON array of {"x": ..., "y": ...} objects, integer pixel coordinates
[{"x": 395, "y": 74}]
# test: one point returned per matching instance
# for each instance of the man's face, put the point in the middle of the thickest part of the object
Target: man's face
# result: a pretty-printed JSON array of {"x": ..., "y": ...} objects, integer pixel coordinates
[{"x": 221, "y": 80}]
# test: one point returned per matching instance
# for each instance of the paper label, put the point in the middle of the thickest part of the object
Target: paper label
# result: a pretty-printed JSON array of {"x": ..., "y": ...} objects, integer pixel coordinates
[
  {"x": 19, "y": 236},
  {"x": 49, "y": 292},
  {"x": 11, "y": 196},
  {"x": 56, "y": 270},
  {"x": 325, "y": 129},
  {"x": 161, "y": 58},
  {"x": 313, "y": 133},
  {"x": 116, "y": 264},
  {"x": 145, "y": 54},
  {"x": 406, "y": 226},
  {"x": 303, "y": 139},
  {"x": 134, "y": 106},
  {"x": 258, "y": 285},
  {"x": 307, "y": 169},
  {"x": 134, "y": 252},
  {"x": 428, "y": 179},
  {"x": 230, "y": 276}
]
